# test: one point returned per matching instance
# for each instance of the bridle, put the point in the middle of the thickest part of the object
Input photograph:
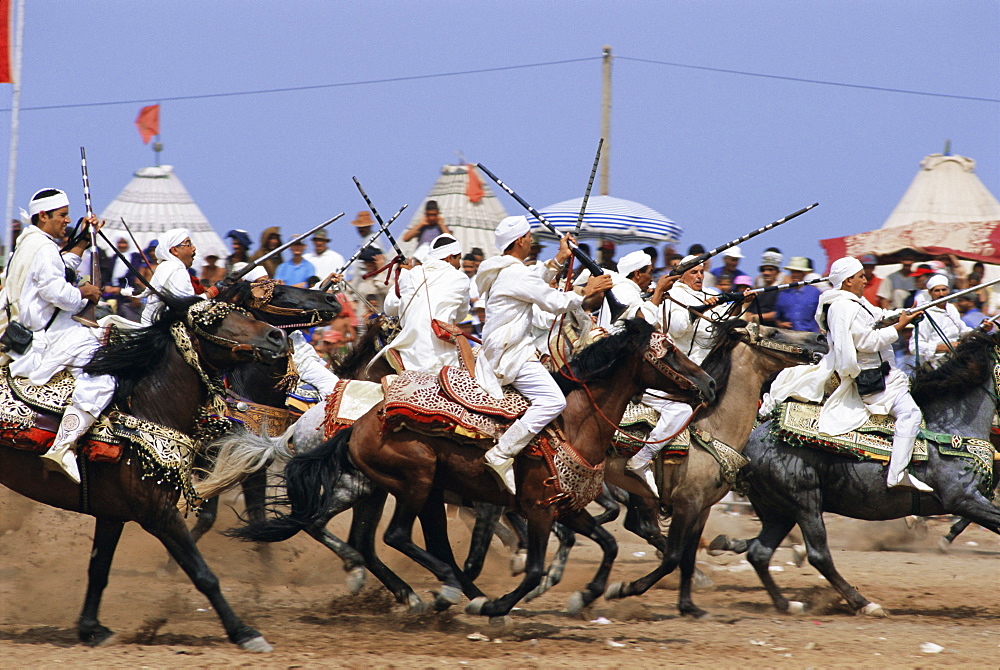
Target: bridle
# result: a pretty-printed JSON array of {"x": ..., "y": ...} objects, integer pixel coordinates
[
  {"x": 776, "y": 349},
  {"x": 263, "y": 304},
  {"x": 660, "y": 346},
  {"x": 209, "y": 314}
]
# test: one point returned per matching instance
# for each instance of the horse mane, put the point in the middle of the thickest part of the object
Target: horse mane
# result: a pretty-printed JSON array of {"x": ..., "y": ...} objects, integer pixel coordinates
[
  {"x": 131, "y": 355},
  {"x": 718, "y": 364},
  {"x": 362, "y": 352},
  {"x": 600, "y": 359},
  {"x": 237, "y": 293},
  {"x": 960, "y": 373}
]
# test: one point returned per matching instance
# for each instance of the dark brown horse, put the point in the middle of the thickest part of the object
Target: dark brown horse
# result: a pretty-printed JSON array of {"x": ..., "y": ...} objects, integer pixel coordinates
[
  {"x": 157, "y": 384},
  {"x": 417, "y": 469}
]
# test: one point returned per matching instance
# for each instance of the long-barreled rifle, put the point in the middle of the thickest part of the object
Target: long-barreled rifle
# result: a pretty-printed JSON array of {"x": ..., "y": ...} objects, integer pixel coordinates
[
  {"x": 87, "y": 315},
  {"x": 239, "y": 274},
  {"x": 327, "y": 283},
  {"x": 735, "y": 296},
  {"x": 916, "y": 309}
]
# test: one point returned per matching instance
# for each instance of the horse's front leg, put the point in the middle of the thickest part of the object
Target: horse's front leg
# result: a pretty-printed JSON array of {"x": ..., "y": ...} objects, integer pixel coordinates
[
  {"x": 540, "y": 520},
  {"x": 582, "y": 522},
  {"x": 487, "y": 516},
  {"x": 169, "y": 528},
  {"x": 107, "y": 532}
]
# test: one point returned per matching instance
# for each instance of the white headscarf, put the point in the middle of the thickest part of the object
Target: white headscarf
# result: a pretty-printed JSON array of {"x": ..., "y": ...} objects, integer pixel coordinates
[
  {"x": 442, "y": 252},
  {"x": 255, "y": 274},
  {"x": 509, "y": 230},
  {"x": 48, "y": 204},
  {"x": 937, "y": 280},
  {"x": 842, "y": 268},
  {"x": 170, "y": 239},
  {"x": 636, "y": 260}
]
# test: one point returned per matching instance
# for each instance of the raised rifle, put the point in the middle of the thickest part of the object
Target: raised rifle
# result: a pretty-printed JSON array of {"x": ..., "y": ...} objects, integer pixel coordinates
[
  {"x": 87, "y": 315},
  {"x": 586, "y": 261},
  {"x": 237, "y": 275},
  {"x": 934, "y": 303},
  {"x": 590, "y": 185},
  {"x": 701, "y": 258},
  {"x": 327, "y": 283},
  {"x": 383, "y": 227},
  {"x": 142, "y": 253}
]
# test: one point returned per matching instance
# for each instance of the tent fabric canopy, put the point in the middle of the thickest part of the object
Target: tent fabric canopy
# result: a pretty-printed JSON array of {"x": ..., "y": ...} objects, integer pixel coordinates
[
  {"x": 946, "y": 210},
  {"x": 156, "y": 201},
  {"x": 622, "y": 221}
]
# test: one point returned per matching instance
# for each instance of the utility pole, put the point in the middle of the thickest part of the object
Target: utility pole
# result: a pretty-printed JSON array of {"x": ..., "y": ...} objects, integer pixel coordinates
[{"x": 606, "y": 122}]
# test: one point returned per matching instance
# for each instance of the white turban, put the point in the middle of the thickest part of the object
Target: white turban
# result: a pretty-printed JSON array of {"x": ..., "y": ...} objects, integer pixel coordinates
[
  {"x": 449, "y": 247},
  {"x": 689, "y": 257},
  {"x": 47, "y": 204},
  {"x": 509, "y": 230},
  {"x": 842, "y": 268},
  {"x": 169, "y": 240},
  {"x": 255, "y": 274},
  {"x": 937, "y": 280},
  {"x": 636, "y": 260}
]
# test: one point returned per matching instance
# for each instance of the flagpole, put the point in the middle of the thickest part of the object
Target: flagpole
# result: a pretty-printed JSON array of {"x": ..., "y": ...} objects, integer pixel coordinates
[{"x": 15, "y": 109}]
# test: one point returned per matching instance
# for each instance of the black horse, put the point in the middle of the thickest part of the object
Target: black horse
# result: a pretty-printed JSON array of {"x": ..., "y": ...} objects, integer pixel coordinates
[{"x": 791, "y": 485}]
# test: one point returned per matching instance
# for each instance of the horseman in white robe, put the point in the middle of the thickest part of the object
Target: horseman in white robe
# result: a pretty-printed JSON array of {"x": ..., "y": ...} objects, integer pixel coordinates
[
  {"x": 509, "y": 289},
  {"x": 926, "y": 339},
  {"x": 635, "y": 271},
  {"x": 175, "y": 254},
  {"x": 436, "y": 290},
  {"x": 691, "y": 333},
  {"x": 40, "y": 298},
  {"x": 855, "y": 345}
]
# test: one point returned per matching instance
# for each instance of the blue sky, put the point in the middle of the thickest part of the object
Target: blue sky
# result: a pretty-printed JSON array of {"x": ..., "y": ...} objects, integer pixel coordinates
[{"x": 719, "y": 153}]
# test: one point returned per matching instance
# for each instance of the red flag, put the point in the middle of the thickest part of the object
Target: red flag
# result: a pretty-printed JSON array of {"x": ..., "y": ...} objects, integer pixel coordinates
[
  {"x": 474, "y": 187},
  {"x": 5, "y": 42},
  {"x": 148, "y": 121}
]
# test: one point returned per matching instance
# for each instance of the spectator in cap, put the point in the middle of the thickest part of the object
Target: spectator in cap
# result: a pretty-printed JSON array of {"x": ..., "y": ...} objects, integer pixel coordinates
[
  {"x": 270, "y": 240},
  {"x": 795, "y": 308},
  {"x": 324, "y": 259},
  {"x": 967, "y": 308},
  {"x": 731, "y": 258},
  {"x": 363, "y": 223},
  {"x": 606, "y": 255},
  {"x": 896, "y": 287},
  {"x": 770, "y": 275},
  {"x": 373, "y": 289},
  {"x": 240, "y": 241},
  {"x": 919, "y": 294},
  {"x": 868, "y": 262},
  {"x": 297, "y": 271}
]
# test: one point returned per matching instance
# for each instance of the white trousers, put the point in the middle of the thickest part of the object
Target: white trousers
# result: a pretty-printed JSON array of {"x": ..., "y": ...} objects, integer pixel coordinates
[
  {"x": 674, "y": 416},
  {"x": 547, "y": 399},
  {"x": 907, "y": 415}
]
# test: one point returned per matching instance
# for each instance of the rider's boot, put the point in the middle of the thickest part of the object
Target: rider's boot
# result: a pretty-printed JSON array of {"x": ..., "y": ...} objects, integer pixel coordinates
[
  {"x": 902, "y": 450},
  {"x": 642, "y": 466},
  {"x": 61, "y": 456},
  {"x": 500, "y": 459}
]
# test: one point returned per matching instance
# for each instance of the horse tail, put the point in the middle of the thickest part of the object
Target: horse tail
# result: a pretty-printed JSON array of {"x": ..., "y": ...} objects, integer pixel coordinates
[
  {"x": 310, "y": 490},
  {"x": 240, "y": 454}
]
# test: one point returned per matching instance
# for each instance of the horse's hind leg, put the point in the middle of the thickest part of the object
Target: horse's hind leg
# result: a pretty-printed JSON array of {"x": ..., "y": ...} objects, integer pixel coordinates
[
  {"x": 818, "y": 552},
  {"x": 107, "y": 532},
  {"x": 689, "y": 553},
  {"x": 206, "y": 518},
  {"x": 956, "y": 529},
  {"x": 611, "y": 507},
  {"x": 487, "y": 516},
  {"x": 168, "y": 527},
  {"x": 364, "y": 525},
  {"x": 520, "y": 528},
  {"x": 434, "y": 523},
  {"x": 583, "y": 523},
  {"x": 567, "y": 538},
  {"x": 773, "y": 530}
]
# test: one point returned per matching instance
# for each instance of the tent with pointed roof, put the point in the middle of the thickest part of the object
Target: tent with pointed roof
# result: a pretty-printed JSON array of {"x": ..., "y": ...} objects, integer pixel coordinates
[
  {"x": 468, "y": 206},
  {"x": 946, "y": 210},
  {"x": 156, "y": 201}
]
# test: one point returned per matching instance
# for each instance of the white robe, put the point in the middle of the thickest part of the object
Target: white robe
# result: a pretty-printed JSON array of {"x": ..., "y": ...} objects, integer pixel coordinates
[
  {"x": 855, "y": 344},
  {"x": 510, "y": 289},
  {"x": 311, "y": 368},
  {"x": 171, "y": 277},
  {"x": 926, "y": 338},
  {"x": 433, "y": 290},
  {"x": 629, "y": 294},
  {"x": 692, "y": 336}
]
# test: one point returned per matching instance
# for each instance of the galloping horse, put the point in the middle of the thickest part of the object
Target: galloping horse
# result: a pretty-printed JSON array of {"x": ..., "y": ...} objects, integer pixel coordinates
[
  {"x": 417, "y": 468},
  {"x": 791, "y": 485},
  {"x": 743, "y": 357},
  {"x": 161, "y": 378}
]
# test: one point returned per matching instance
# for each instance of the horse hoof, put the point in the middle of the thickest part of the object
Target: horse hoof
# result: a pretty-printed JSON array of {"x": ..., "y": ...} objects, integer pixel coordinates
[
  {"x": 256, "y": 645},
  {"x": 355, "y": 580},
  {"x": 795, "y": 607},
  {"x": 718, "y": 546},
  {"x": 517, "y": 562},
  {"x": 476, "y": 605},
  {"x": 873, "y": 610},
  {"x": 701, "y": 582},
  {"x": 577, "y": 602},
  {"x": 500, "y": 624},
  {"x": 798, "y": 555},
  {"x": 943, "y": 545},
  {"x": 103, "y": 637},
  {"x": 696, "y": 613},
  {"x": 614, "y": 591},
  {"x": 415, "y": 605}
]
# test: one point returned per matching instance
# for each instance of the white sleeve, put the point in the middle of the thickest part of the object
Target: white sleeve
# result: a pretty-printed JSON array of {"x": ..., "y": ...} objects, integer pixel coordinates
[{"x": 311, "y": 368}]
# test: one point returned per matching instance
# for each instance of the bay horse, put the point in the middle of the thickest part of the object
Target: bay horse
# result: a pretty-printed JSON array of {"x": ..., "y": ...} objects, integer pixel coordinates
[
  {"x": 155, "y": 383},
  {"x": 287, "y": 307},
  {"x": 743, "y": 357},
  {"x": 417, "y": 469},
  {"x": 791, "y": 485}
]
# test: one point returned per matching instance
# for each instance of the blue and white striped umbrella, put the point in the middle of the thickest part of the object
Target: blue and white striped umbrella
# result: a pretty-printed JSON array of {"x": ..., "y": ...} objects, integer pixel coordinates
[{"x": 621, "y": 221}]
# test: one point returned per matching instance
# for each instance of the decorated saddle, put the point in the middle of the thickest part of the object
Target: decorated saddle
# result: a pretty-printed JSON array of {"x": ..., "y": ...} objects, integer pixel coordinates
[
  {"x": 451, "y": 404},
  {"x": 797, "y": 423},
  {"x": 30, "y": 416}
]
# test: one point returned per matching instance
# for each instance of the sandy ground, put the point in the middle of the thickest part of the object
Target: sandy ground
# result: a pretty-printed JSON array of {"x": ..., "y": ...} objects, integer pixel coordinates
[{"x": 294, "y": 594}]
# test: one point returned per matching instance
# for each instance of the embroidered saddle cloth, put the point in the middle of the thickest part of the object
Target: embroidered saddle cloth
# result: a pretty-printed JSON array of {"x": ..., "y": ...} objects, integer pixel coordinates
[
  {"x": 428, "y": 404},
  {"x": 797, "y": 423},
  {"x": 351, "y": 399},
  {"x": 30, "y": 416},
  {"x": 635, "y": 427}
]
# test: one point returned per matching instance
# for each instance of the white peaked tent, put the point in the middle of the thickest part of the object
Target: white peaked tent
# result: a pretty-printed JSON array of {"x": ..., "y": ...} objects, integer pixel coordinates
[
  {"x": 945, "y": 190},
  {"x": 473, "y": 223},
  {"x": 156, "y": 201}
]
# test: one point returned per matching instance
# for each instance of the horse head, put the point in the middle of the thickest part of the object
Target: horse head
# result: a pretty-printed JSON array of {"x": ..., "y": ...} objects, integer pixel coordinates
[
  {"x": 669, "y": 369},
  {"x": 225, "y": 335},
  {"x": 281, "y": 305}
]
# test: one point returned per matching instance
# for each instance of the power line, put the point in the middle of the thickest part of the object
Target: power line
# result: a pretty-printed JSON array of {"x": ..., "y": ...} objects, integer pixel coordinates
[
  {"x": 808, "y": 81},
  {"x": 290, "y": 89},
  {"x": 461, "y": 73}
]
